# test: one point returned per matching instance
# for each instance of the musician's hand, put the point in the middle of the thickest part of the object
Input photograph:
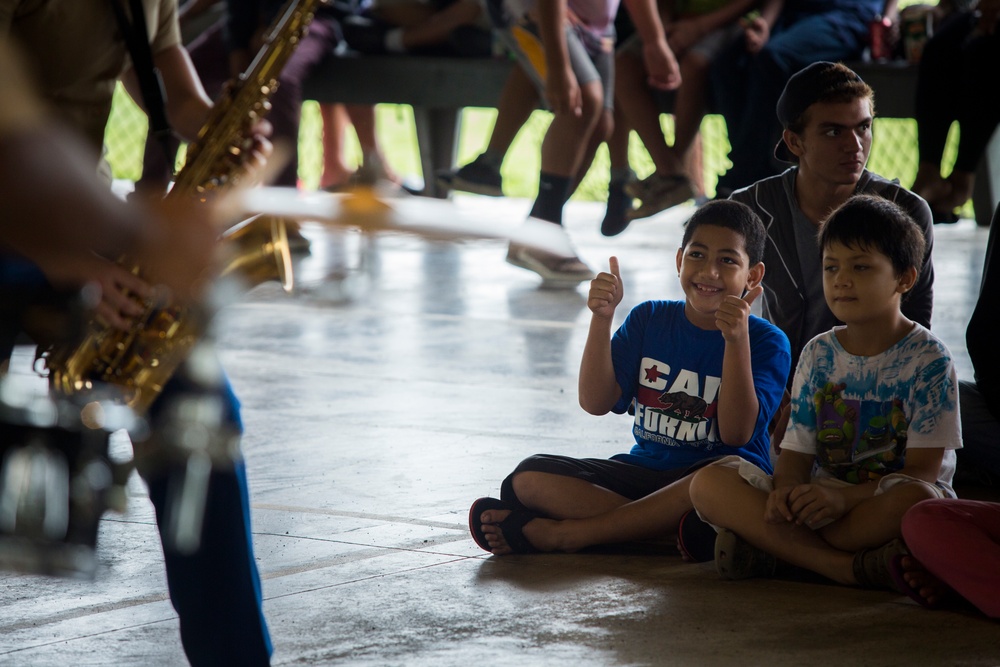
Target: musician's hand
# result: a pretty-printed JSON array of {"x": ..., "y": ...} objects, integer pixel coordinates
[
  {"x": 121, "y": 292},
  {"x": 260, "y": 150},
  {"x": 180, "y": 249}
]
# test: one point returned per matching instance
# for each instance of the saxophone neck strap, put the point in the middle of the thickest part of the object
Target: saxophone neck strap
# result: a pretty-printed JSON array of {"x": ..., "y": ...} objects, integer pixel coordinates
[{"x": 154, "y": 96}]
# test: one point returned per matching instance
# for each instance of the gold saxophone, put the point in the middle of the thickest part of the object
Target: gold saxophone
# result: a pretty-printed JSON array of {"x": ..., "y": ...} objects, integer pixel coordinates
[{"x": 141, "y": 360}]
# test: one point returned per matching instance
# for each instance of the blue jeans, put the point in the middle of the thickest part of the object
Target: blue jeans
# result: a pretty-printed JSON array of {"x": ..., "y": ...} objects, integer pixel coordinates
[
  {"x": 745, "y": 87},
  {"x": 216, "y": 590}
]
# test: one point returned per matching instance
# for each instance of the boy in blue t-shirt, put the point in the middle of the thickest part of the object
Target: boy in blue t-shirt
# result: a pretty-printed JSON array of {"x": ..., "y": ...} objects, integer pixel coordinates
[
  {"x": 874, "y": 423},
  {"x": 704, "y": 378}
]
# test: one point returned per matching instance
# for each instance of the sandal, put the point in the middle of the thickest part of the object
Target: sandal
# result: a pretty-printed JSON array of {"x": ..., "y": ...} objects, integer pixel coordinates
[
  {"x": 872, "y": 567},
  {"x": 735, "y": 558},
  {"x": 511, "y": 527},
  {"x": 695, "y": 538}
]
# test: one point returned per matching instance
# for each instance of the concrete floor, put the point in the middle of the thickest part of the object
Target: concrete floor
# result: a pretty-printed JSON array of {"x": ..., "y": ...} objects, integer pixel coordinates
[{"x": 405, "y": 379}]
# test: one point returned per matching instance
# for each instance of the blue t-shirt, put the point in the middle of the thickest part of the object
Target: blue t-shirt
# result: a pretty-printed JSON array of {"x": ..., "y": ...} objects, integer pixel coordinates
[
  {"x": 850, "y": 18},
  {"x": 671, "y": 371}
]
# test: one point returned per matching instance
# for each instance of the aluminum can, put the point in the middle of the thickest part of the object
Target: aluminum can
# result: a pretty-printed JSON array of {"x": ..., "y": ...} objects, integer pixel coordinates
[{"x": 878, "y": 35}]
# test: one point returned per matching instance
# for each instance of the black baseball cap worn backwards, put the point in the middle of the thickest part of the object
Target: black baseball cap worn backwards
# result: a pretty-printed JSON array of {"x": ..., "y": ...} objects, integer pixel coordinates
[{"x": 806, "y": 87}]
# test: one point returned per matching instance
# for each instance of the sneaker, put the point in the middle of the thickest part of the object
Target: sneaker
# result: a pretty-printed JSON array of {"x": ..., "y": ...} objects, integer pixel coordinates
[
  {"x": 616, "y": 218},
  {"x": 658, "y": 193},
  {"x": 736, "y": 558},
  {"x": 872, "y": 567},
  {"x": 477, "y": 177},
  {"x": 637, "y": 188},
  {"x": 554, "y": 269}
]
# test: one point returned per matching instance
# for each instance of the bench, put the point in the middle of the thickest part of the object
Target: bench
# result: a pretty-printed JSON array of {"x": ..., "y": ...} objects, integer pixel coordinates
[{"x": 439, "y": 88}]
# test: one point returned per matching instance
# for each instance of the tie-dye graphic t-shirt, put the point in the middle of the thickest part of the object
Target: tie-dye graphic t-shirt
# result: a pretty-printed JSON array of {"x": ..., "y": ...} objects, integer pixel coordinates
[
  {"x": 670, "y": 372},
  {"x": 858, "y": 415}
]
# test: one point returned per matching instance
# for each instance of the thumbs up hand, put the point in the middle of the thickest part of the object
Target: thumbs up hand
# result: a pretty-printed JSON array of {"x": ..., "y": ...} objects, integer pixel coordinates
[
  {"x": 733, "y": 314},
  {"x": 606, "y": 291}
]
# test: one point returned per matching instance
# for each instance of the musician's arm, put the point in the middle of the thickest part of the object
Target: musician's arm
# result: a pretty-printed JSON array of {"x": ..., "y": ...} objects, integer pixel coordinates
[{"x": 187, "y": 104}]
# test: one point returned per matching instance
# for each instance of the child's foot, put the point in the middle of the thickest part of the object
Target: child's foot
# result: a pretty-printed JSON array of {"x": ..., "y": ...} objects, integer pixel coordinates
[
  {"x": 919, "y": 584},
  {"x": 872, "y": 566},
  {"x": 735, "y": 558},
  {"x": 531, "y": 536}
]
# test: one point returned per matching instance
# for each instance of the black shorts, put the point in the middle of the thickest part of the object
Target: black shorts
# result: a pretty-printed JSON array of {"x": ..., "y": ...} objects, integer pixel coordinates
[{"x": 626, "y": 479}]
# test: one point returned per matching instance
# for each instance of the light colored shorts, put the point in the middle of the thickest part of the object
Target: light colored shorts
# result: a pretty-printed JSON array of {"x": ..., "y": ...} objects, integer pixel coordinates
[
  {"x": 590, "y": 57},
  {"x": 761, "y": 481}
]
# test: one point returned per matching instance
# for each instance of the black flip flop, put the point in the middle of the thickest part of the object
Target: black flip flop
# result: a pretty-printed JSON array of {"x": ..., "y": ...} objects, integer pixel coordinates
[
  {"x": 696, "y": 538},
  {"x": 511, "y": 527}
]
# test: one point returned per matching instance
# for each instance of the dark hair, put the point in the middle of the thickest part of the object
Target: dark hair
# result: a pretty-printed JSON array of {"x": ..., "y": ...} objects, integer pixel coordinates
[
  {"x": 819, "y": 82},
  {"x": 874, "y": 223},
  {"x": 735, "y": 216}
]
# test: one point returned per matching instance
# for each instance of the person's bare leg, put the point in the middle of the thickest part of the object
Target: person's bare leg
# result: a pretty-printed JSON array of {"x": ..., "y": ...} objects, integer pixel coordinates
[
  {"x": 876, "y": 520},
  {"x": 562, "y": 151},
  {"x": 960, "y": 184},
  {"x": 689, "y": 110},
  {"x": 403, "y": 14},
  {"x": 436, "y": 28},
  {"x": 335, "y": 122},
  {"x": 689, "y": 106},
  {"x": 725, "y": 499},
  {"x": 656, "y": 515},
  {"x": 599, "y": 135},
  {"x": 632, "y": 95},
  {"x": 563, "y": 497},
  {"x": 620, "y": 175},
  {"x": 363, "y": 118},
  {"x": 930, "y": 185},
  {"x": 618, "y": 142},
  {"x": 518, "y": 99}
]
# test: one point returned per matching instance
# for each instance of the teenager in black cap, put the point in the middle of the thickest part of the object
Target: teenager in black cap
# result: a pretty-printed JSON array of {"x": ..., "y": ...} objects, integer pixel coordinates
[{"x": 826, "y": 111}]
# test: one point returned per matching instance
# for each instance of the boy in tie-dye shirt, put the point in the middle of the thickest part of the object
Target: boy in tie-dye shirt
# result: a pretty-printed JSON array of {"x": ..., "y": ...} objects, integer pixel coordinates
[{"x": 874, "y": 425}]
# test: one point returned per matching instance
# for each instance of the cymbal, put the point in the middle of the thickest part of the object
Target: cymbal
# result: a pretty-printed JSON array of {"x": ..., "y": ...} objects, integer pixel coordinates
[{"x": 365, "y": 209}]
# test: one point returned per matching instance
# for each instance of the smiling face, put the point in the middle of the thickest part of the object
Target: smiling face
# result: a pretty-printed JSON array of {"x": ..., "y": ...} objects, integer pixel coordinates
[
  {"x": 861, "y": 286},
  {"x": 834, "y": 144},
  {"x": 712, "y": 266}
]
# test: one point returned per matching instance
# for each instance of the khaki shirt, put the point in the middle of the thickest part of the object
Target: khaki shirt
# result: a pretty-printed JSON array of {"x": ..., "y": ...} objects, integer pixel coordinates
[
  {"x": 75, "y": 52},
  {"x": 21, "y": 107}
]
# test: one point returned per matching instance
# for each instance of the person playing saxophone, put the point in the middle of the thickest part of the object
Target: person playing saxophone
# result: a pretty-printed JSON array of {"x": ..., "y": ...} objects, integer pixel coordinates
[{"x": 77, "y": 53}]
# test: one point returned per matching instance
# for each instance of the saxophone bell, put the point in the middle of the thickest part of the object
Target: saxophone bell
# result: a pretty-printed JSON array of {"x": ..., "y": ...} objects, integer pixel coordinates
[{"x": 256, "y": 251}]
